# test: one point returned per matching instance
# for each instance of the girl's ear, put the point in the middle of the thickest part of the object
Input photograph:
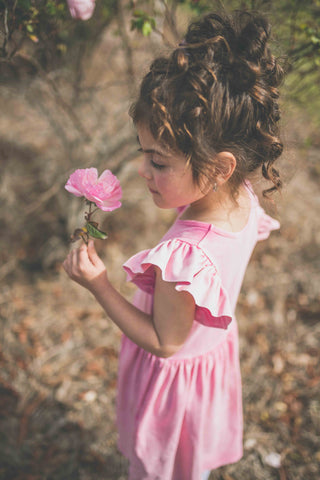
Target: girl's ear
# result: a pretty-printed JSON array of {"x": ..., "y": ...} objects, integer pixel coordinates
[{"x": 229, "y": 162}]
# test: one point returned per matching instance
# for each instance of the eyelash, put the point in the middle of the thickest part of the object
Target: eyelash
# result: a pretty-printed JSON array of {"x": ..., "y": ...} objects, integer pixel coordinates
[
  {"x": 157, "y": 166},
  {"x": 154, "y": 164}
]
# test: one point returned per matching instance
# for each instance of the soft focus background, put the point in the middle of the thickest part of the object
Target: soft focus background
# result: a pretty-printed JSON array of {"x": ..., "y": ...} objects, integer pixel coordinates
[{"x": 65, "y": 88}]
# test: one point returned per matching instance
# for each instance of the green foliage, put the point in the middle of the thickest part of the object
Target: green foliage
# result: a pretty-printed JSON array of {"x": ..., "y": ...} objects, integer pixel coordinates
[
  {"x": 29, "y": 19},
  {"x": 142, "y": 22},
  {"x": 198, "y": 7},
  {"x": 297, "y": 30},
  {"x": 48, "y": 28}
]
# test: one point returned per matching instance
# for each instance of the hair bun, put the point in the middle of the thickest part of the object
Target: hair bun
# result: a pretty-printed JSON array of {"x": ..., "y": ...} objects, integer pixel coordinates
[
  {"x": 254, "y": 32},
  {"x": 235, "y": 48}
]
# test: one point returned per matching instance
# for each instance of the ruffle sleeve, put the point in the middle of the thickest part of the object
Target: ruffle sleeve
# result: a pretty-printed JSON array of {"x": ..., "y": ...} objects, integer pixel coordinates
[
  {"x": 190, "y": 269},
  {"x": 266, "y": 224}
]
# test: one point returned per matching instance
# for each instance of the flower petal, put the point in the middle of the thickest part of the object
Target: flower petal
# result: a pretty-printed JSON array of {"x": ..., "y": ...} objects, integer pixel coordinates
[
  {"x": 108, "y": 206},
  {"x": 80, "y": 179},
  {"x": 104, "y": 191}
]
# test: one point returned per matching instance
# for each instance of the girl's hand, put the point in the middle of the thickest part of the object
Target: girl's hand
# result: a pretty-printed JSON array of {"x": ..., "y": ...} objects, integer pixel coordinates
[{"x": 84, "y": 266}]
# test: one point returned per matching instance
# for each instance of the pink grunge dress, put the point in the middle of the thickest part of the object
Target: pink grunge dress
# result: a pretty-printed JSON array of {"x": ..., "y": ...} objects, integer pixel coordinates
[{"x": 181, "y": 415}]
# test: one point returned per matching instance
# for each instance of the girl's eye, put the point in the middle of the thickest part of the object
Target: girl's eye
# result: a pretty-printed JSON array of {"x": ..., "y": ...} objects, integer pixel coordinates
[
  {"x": 153, "y": 163},
  {"x": 156, "y": 165}
]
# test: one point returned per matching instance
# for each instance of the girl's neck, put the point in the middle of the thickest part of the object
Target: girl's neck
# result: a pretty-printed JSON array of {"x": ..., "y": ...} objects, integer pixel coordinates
[{"x": 221, "y": 210}]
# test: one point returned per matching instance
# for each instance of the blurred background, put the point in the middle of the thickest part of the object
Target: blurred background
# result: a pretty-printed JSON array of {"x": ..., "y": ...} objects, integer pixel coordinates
[{"x": 65, "y": 88}]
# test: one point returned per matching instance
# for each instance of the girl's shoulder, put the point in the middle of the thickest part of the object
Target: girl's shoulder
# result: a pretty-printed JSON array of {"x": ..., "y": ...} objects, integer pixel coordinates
[
  {"x": 183, "y": 262},
  {"x": 187, "y": 231},
  {"x": 253, "y": 223}
]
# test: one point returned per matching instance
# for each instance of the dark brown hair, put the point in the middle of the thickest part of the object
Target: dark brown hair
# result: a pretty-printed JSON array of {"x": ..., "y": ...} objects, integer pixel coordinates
[{"x": 217, "y": 92}]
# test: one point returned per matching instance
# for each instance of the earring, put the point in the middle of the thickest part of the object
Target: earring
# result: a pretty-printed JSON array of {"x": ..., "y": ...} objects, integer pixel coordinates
[{"x": 215, "y": 187}]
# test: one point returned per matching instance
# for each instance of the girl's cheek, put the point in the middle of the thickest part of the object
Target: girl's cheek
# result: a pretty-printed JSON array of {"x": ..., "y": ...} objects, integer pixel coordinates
[{"x": 162, "y": 182}]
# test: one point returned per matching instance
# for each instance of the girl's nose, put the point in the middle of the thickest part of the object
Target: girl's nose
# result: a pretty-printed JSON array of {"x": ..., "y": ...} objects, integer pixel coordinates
[{"x": 144, "y": 171}]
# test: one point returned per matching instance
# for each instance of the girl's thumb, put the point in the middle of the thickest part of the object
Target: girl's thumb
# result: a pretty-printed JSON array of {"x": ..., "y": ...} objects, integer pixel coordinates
[
  {"x": 92, "y": 253},
  {"x": 94, "y": 257}
]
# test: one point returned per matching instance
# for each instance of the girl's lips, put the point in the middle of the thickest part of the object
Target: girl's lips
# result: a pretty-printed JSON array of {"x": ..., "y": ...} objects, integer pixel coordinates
[{"x": 152, "y": 191}]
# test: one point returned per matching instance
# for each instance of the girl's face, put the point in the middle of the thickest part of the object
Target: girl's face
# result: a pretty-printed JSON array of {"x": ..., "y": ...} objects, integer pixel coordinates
[{"x": 168, "y": 177}]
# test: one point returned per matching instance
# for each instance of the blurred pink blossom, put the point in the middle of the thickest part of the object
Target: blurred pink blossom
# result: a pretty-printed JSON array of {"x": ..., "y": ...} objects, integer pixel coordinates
[
  {"x": 104, "y": 191},
  {"x": 81, "y": 9}
]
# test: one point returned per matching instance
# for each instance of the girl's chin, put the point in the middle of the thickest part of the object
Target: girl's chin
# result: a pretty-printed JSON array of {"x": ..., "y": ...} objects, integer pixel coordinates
[{"x": 161, "y": 204}]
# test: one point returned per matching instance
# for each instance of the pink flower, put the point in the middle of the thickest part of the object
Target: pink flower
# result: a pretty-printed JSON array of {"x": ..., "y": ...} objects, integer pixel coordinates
[
  {"x": 80, "y": 180},
  {"x": 104, "y": 191},
  {"x": 81, "y": 9}
]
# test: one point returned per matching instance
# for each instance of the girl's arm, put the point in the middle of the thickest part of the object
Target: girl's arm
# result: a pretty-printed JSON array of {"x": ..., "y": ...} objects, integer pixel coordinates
[{"x": 162, "y": 333}]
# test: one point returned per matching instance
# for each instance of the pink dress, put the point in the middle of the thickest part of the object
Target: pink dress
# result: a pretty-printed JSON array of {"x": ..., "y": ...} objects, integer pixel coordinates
[{"x": 181, "y": 415}]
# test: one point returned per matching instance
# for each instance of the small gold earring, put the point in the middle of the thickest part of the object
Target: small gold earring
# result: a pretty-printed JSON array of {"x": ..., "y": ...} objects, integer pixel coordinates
[{"x": 215, "y": 187}]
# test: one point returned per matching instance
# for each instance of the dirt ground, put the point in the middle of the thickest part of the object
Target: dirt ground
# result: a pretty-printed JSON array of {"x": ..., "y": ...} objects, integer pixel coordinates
[{"x": 58, "y": 351}]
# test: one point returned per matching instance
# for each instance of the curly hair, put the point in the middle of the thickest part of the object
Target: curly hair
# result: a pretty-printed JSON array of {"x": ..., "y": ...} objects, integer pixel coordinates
[{"x": 217, "y": 91}]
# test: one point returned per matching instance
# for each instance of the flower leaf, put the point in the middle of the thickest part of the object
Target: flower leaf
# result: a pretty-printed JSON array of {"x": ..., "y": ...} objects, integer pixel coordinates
[{"x": 94, "y": 232}]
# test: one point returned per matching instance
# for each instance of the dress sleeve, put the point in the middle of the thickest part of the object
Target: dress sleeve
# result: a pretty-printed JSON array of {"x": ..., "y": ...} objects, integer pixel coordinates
[
  {"x": 265, "y": 224},
  {"x": 190, "y": 269}
]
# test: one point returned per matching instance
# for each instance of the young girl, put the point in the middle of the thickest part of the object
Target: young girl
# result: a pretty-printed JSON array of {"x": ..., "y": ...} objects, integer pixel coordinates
[{"x": 206, "y": 119}]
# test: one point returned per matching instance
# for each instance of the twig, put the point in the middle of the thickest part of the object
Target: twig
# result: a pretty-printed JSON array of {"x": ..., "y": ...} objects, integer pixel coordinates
[
  {"x": 67, "y": 108},
  {"x": 170, "y": 17},
  {"x": 42, "y": 199},
  {"x": 24, "y": 423},
  {"x": 165, "y": 40},
  {"x": 6, "y": 32},
  {"x": 127, "y": 49},
  {"x": 8, "y": 268},
  {"x": 55, "y": 125}
]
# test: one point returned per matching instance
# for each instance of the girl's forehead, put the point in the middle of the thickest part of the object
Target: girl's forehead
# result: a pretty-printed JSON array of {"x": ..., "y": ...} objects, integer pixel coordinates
[
  {"x": 145, "y": 135},
  {"x": 148, "y": 142},
  {"x": 150, "y": 145}
]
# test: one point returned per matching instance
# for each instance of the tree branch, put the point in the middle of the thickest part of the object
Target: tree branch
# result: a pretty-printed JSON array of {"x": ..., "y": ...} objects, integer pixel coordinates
[
  {"x": 6, "y": 33},
  {"x": 66, "y": 107},
  {"x": 127, "y": 49}
]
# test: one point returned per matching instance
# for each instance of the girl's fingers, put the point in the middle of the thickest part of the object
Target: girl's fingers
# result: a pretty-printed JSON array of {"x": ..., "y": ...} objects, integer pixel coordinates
[
  {"x": 92, "y": 253},
  {"x": 83, "y": 262},
  {"x": 71, "y": 261},
  {"x": 82, "y": 254}
]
